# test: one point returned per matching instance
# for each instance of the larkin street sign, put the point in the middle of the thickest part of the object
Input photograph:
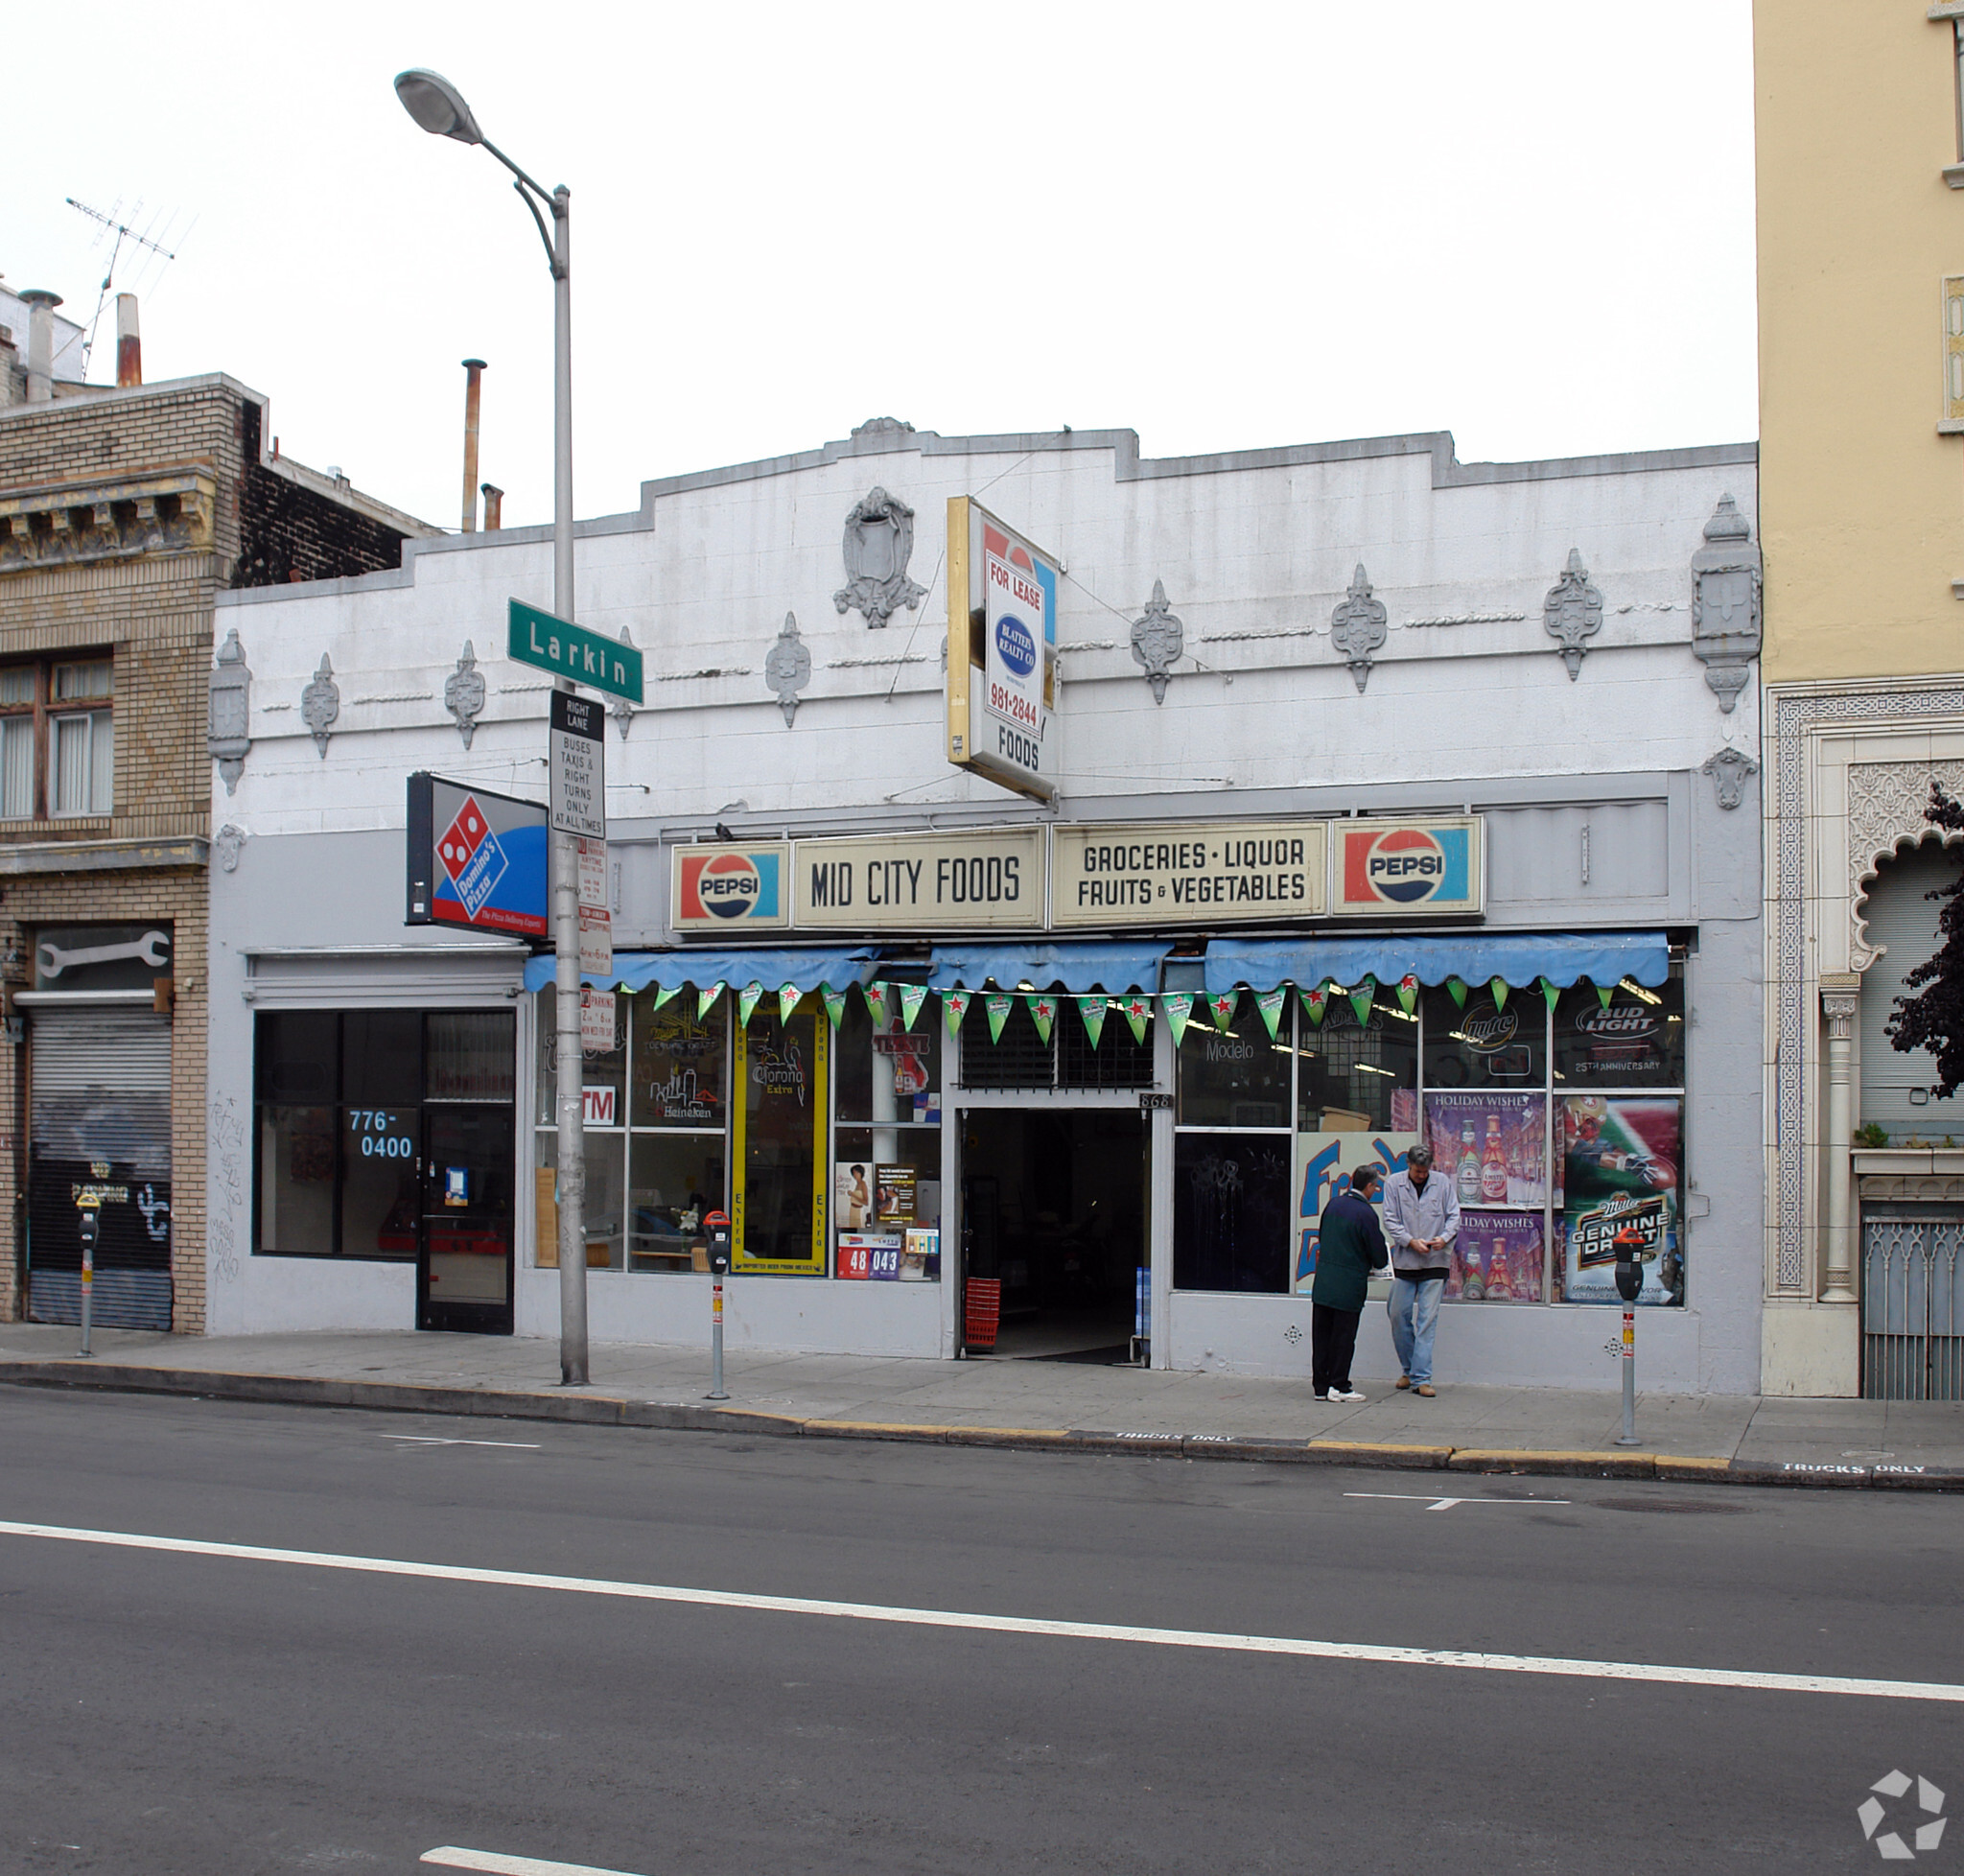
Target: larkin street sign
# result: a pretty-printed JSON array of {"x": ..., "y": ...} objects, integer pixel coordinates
[{"x": 568, "y": 650}]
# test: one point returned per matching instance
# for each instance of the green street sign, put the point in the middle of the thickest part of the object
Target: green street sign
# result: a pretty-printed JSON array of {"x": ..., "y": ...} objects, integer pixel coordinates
[{"x": 568, "y": 650}]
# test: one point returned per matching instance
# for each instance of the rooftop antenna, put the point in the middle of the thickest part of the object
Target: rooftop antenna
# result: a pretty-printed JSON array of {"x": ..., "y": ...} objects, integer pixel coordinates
[{"x": 123, "y": 232}]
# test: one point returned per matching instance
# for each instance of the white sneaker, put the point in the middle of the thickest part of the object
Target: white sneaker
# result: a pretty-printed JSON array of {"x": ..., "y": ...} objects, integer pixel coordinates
[{"x": 1333, "y": 1395}]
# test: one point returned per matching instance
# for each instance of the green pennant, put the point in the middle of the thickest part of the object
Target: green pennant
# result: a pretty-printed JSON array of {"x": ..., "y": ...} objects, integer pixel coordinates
[
  {"x": 747, "y": 1000},
  {"x": 1549, "y": 994},
  {"x": 875, "y": 995},
  {"x": 1606, "y": 992},
  {"x": 1457, "y": 987},
  {"x": 1179, "y": 1008},
  {"x": 788, "y": 995},
  {"x": 1043, "y": 1013},
  {"x": 1408, "y": 993},
  {"x": 1497, "y": 988},
  {"x": 706, "y": 1000},
  {"x": 998, "y": 1003},
  {"x": 835, "y": 1002},
  {"x": 1093, "y": 1010},
  {"x": 1270, "y": 1003},
  {"x": 1221, "y": 1009},
  {"x": 955, "y": 1006},
  {"x": 912, "y": 996},
  {"x": 1361, "y": 997},
  {"x": 1138, "y": 1012},
  {"x": 663, "y": 993},
  {"x": 1316, "y": 1004}
]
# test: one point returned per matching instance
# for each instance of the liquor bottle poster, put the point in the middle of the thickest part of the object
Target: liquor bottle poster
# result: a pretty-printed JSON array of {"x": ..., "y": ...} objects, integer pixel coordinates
[
  {"x": 1621, "y": 1157},
  {"x": 1492, "y": 1146},
  {"x": 1323, "y": 1165},
  {"x": 1496, "y": 1258}
]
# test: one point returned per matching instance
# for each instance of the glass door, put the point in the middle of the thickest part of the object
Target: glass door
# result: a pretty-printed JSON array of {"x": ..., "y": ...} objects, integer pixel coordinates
[{"x": 464, "y": 1271}]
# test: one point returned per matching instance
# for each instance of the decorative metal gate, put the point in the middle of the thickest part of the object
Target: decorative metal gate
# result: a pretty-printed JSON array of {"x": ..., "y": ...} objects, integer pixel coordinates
[{"x": 1912, "y": 1308}]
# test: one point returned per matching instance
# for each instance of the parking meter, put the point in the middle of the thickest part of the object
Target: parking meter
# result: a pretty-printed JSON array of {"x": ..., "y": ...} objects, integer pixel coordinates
[
  {"x": 88, "y": 1228},
  {"x": 1629, "y": 1272},
  {"x": 715, "y": 1227}
]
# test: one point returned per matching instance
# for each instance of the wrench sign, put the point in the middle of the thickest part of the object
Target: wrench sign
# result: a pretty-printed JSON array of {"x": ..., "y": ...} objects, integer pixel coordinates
[{"x": 151, "y": 949}]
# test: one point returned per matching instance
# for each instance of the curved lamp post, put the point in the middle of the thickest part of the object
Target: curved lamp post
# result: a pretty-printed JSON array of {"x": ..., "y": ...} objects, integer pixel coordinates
[{"x": 439, "y": 108}]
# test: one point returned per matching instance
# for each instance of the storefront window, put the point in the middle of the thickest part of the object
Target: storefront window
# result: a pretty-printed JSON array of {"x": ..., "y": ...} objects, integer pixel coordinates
[
  {"x": 673, "y": 1179},
  {"x": 778, "y": 1221},
  {"x": 1236, "y": 1078},
  {"x": 1485, "y": 1045},
  {"x": 886, "y": 1145},
  {"x": 1350, "y": 1074},
  {"x": 680, "y": 1064},
  {"x": 603, "y": 1072},
  {"x": 1230, "y": 1211},
  {"x": 344, "y": 1102},
  {"x": 1621, "y": 1169},
  {"x": 1636, "y": 1040}
]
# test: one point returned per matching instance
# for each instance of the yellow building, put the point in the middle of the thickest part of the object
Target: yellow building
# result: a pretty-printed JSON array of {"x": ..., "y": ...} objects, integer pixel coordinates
[{"x": 1860, "y": 157}]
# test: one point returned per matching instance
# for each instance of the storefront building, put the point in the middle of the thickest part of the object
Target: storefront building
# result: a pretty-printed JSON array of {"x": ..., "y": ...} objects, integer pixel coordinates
[
  {"x": 125, "y": 510},
  {"x": 1859, "y": 124},
  {"x": 1464, "y": 845}
]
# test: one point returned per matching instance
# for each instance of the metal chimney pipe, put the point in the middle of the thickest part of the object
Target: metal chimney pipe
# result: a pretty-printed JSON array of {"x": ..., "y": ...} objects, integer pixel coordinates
[
  {"x": 494, "y": 508},
  {"x": 473, "y": 374},
  {"x": 40, "y": 343},
  {"x": 128, "y": 344}
]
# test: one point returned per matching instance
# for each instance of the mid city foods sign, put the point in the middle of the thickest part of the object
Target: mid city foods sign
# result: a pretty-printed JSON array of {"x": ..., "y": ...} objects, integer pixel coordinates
[{"x": 1199, "y": 873}]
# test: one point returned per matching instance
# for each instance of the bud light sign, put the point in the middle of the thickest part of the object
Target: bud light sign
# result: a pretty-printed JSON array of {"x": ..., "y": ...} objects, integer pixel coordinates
[
  {"x": 717, "y": 887},
  {"x": 1384, "y": 868}
]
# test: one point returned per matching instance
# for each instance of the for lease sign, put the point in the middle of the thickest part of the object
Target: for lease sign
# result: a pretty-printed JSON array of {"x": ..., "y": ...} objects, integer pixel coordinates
[{"x": 1013, "y": 666}]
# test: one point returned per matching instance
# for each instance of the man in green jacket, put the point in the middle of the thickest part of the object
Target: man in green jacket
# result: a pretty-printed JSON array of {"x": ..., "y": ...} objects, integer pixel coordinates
[{"x": 1350, "y": 1244}]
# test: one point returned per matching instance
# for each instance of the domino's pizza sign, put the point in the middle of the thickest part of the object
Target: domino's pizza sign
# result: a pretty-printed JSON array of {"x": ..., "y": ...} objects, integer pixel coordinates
[
  {"x": 1384, "y": 868},
  {"x": 476, "y": 858}
]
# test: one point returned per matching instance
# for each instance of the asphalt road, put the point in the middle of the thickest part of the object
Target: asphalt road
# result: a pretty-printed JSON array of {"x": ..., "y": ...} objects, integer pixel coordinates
[{"x": 217, "y": 1716}]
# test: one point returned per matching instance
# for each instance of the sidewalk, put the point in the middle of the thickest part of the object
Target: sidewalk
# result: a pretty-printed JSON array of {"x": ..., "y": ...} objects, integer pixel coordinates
[{"x": 1050, "y": 1404}]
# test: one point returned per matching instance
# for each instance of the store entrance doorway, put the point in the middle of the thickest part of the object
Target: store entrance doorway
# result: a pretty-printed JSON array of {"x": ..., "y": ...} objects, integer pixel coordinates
[{"x": 1054, "y": 1214}]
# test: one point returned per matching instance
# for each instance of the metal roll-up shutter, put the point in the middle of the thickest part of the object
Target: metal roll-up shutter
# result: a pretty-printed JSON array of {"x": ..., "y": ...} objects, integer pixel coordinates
[
  {"x": 102, "y": 1117},
  {"x": 1895, "y": 1086}
]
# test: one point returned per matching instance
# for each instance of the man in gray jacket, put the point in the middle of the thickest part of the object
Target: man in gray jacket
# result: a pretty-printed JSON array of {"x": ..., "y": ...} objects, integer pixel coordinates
[{"x": 1421, "y": 1220}]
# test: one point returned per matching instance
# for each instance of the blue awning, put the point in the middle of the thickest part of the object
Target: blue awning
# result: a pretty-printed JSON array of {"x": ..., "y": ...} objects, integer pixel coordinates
[
  {"x": 808, "y": 966},
  {"x": 1563, "y": 958},
  {"x": 1077, "y": 967}
]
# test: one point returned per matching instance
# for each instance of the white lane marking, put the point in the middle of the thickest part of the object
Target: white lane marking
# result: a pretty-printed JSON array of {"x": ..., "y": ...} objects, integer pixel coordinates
[
  {"x": 427, "y": 1439},
  {"x": 451, "y": 1858},
  {"x": 1432, "y": 1504},
  {"x": 1378, "y": 1652}
]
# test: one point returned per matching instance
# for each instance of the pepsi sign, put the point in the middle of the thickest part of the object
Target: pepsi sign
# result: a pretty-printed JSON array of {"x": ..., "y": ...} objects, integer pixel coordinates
[
  {"x": 717, "y": 887},
  {"x": 1385, "y": 868}
]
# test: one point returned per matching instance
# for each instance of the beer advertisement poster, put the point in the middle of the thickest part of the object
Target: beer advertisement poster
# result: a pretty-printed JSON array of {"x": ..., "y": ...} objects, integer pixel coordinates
[
  {"x": 1492, "y": 1146},
  {"x": 1620, "y": 1158},
  {"x": 1496, "y": 1258}
]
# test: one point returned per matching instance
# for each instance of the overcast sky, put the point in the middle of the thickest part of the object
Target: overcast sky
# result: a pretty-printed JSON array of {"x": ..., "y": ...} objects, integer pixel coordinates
[{"x": 1528, "y": 221}]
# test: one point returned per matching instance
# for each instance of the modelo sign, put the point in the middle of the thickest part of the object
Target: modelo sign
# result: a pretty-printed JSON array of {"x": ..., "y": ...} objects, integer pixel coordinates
[
  {"x": 716, "y": 888},
  {"x": 1395, "y": 869}
]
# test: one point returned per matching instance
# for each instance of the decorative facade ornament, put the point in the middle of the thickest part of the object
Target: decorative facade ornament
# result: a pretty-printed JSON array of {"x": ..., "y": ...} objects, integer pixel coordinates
[
  {"x": 1572, "y": 612},
  {"x": 1729, "y": 771},
  {"x": 1158, "y": 639},
  {"x": 621, "y": 709},
  {"x": 321, "y": 703},
  {"x": 1885, "y": 804},
  {"x": 1725, "y": 603},
  {"x": 227, "y": 843},
  {"x": 1357, "y": 626},
  {"x": 463, "y": 693},
  {"x": 879, "y": 541},
  {"x": 787, "y": 666},
  {"x": 883, "y": 427},
  {"x": 228, "y": 720}
]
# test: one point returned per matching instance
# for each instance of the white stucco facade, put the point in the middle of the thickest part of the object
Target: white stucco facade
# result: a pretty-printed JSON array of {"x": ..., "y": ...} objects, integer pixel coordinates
[{"x": 1601, "y": 797}]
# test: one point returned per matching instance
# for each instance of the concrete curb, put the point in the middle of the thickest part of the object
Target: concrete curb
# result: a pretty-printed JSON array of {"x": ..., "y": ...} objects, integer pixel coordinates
[{"x": 691, "y": 1416}]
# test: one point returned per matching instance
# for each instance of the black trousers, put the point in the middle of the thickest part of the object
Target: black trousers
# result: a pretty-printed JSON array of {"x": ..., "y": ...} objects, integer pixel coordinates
[{"x": 1332, "y": 1342}]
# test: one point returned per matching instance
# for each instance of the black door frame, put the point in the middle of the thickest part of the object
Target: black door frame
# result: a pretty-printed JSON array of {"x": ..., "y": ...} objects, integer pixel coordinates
[{"x": 469, "y": 1317}]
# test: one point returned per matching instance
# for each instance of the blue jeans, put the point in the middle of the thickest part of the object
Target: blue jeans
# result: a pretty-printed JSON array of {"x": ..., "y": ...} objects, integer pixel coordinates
[{"x": 1414, "y": 1317}]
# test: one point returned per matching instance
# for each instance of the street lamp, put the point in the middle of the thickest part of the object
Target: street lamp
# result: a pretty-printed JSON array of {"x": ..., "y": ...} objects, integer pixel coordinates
[{"x": 439, "y": 108}]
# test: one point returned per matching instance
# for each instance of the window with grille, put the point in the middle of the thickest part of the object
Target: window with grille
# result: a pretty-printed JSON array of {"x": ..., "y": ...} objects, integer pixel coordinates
[{"x": 1020, "y": 1058}]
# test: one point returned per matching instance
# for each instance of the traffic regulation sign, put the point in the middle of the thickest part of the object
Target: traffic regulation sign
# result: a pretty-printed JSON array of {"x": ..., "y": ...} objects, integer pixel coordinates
[
  {"x": 568, "y": 650},
  {"x": 578, "y": 796}
]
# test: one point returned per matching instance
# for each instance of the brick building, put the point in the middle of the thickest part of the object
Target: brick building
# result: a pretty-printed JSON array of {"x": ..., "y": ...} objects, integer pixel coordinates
[{"x": 124, "y": 512}]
